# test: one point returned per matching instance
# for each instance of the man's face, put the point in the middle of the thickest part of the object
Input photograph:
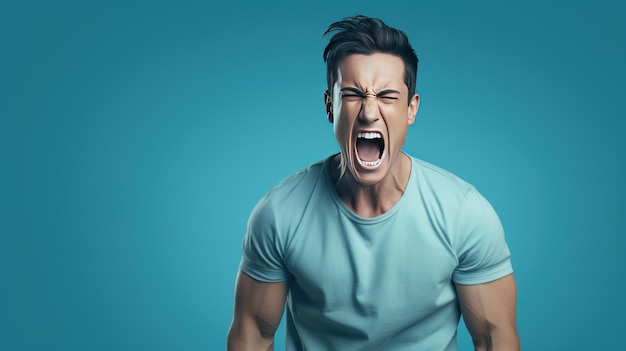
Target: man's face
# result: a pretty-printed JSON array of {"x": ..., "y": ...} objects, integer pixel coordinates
[{"x": 370, "y": 114}]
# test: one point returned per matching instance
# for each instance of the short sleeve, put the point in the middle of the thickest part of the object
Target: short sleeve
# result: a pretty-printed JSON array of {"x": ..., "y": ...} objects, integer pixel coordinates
[
  {"x": 480, "y": 245},
  {"x": 263, "y": 251}
]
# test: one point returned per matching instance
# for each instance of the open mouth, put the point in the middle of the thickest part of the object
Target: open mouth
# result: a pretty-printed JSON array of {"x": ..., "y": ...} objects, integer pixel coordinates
[{"x": 369, "y": 148}]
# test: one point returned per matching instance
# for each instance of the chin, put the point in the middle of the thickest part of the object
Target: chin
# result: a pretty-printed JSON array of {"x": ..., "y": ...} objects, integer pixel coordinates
[{"x": 370, "y": 173}]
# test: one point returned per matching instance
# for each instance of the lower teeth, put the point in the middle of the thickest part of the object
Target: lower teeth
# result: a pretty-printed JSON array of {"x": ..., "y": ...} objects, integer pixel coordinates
[{"x": 371, "y": 163}]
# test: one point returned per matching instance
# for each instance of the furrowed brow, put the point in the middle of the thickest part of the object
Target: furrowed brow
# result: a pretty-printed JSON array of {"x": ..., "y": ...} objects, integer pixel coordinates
[
  {"x": 388, "y": 91},
  {"x": 353, "y": 90}
]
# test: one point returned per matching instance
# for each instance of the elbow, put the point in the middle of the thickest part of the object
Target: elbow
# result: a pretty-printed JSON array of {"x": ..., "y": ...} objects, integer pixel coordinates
[
  {"x": 242, "y": 337},
  {"x": 497, "y": 339}
]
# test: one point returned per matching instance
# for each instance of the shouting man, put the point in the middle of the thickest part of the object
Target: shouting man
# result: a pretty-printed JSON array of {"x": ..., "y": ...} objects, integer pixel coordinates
[{"x": 371, "y": 248}]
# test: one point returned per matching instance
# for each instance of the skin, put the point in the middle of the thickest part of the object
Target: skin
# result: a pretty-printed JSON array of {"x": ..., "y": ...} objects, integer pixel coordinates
[
  {"x": 370, "y": 95},
  {"x": 258, "y": 309},
  {"x": 489, "y": 314},
  {"x": 370, "y": 192}
]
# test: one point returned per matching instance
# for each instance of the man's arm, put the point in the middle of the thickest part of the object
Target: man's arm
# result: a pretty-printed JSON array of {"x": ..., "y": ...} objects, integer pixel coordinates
[
  {"x": 489, "y": 313},
  {"x": 258, "y": 309}
]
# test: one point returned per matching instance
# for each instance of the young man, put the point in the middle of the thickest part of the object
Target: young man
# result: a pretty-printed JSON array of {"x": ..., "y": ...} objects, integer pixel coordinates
[{"x": 372, "y": 249}]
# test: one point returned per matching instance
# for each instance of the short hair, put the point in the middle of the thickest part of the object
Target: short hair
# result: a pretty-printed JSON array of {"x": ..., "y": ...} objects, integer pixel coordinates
[{"x": 365, "y": 35}]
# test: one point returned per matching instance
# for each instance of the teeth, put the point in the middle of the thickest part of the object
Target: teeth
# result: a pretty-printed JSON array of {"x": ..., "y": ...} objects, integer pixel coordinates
[
  {"x": 372, "y": 163},
  {"x": 369, "y": 135}
]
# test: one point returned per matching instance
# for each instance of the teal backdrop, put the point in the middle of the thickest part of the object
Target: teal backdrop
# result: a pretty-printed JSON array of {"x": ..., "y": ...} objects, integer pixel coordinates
[{"x": 136, "y": 137}]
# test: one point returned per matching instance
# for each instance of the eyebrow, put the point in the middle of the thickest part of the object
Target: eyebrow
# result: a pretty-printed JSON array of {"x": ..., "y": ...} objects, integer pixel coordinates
[
  {"x": 354, "y": 90},
  {"x": 388, "y": 91},
  {"x": 361, "y": 93}
]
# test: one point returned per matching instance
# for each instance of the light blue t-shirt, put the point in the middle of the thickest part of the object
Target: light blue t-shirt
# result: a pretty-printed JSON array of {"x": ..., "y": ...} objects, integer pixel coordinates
[{"x": 383, "y": 283}]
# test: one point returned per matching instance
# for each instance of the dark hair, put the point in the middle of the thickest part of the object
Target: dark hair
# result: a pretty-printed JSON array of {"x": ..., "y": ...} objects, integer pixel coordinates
[{"x": 364, "y": 35}]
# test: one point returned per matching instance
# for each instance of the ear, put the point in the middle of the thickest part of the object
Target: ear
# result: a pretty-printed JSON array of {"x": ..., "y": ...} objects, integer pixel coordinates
[
  {"x": 329, "y": 106},
  {"x": 413, "y": 106}
]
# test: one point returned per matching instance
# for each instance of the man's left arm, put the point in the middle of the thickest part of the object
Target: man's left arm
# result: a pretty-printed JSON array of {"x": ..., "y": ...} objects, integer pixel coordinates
[{"x": 489, "y": 312}]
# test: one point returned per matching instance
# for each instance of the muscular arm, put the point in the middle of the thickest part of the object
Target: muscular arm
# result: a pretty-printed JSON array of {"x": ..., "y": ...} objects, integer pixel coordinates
[
  {"x": 258, "y": 309},
  {"x": 489, "y": 313}
]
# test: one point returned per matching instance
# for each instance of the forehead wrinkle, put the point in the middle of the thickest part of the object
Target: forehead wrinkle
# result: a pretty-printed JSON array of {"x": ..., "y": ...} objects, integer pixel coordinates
[{"x": 382, "y": 81}]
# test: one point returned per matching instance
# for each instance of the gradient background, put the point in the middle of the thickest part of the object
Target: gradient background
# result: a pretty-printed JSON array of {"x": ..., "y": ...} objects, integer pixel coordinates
[{"x": 136, "y": 138}]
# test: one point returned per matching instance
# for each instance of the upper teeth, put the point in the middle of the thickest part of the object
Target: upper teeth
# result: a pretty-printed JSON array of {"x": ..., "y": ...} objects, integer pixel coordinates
[{"x": 369, "y": 135}]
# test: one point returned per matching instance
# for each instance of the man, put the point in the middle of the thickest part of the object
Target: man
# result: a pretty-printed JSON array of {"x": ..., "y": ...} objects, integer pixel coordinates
[{"x": 372, "y": 249}]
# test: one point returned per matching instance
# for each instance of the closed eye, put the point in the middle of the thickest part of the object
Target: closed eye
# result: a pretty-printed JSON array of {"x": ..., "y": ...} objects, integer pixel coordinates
[
  {"x": 388, "y": 99},
  {"x": 351, "y": 96}
]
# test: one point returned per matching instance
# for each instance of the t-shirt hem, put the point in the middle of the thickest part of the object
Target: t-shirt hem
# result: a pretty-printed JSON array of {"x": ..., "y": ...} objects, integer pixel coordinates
[
  {"x": 484, "y": 276},
  {"x": 263, "y": 275}
]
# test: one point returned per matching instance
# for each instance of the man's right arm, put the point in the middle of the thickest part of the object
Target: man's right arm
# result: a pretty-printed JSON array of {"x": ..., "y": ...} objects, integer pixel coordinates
[{"x": 259, "y": 307}]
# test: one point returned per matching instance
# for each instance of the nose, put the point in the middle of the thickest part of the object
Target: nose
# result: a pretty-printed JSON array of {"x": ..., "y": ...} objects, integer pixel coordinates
[{"x": 369, "y": 109}]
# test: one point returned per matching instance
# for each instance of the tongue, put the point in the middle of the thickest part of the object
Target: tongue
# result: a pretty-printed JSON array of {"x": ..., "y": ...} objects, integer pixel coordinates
[{"x": 368, "y": 150}]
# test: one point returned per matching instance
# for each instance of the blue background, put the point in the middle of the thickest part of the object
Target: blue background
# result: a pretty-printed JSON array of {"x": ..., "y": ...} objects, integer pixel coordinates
[{"x": 137, "y": 136}]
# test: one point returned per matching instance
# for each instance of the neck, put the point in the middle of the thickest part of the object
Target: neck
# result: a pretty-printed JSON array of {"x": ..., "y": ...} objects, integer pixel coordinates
[{"x": 372, "y": 200}]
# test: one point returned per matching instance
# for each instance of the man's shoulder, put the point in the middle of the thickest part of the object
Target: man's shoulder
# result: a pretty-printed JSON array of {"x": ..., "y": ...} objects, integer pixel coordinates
[
  {"x": 438, "y": 178},
  {"x": 283, "y": 205},
  {"x": 294, "y": 190},
  {"x": 298, "y": 183}
]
